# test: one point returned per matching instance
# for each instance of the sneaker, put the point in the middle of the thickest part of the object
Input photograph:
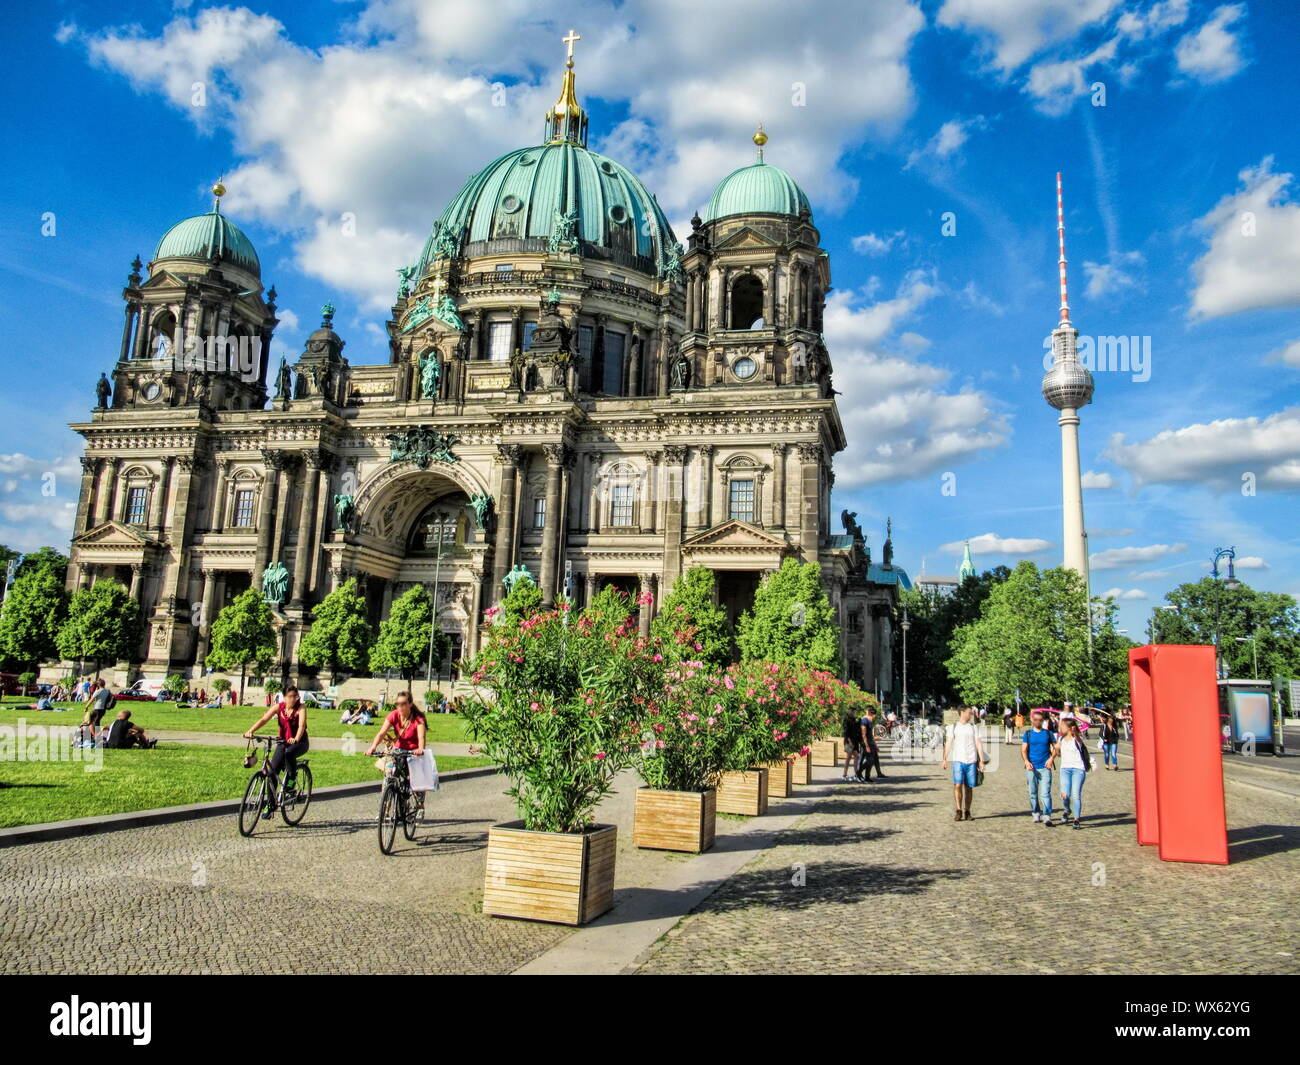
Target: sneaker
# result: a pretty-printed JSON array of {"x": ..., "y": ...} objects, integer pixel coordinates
[
  {"x": 1047, "y": 821},
  {"x": 968, "y": 817},
  {"x": 958, "y": 816},
  {"x": 1075, "y": 823},
  {"x": 1037, "y": 817}
]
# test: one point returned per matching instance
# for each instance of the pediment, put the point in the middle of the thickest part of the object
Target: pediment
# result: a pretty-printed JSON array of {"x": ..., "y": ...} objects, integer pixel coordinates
[
  {"x": 746, "y": 238},
  {"x": 735, "y": 534},
  {"x": 114, "y": 534}
]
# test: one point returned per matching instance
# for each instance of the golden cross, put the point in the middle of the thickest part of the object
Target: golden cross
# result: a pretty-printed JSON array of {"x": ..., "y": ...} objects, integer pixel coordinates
[{"x": 570, "y": 40}]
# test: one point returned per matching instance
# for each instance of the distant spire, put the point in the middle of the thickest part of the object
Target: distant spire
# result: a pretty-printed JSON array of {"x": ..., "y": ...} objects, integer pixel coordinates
[
  {"x": 967, "y": 567},
  {"x": 1060, "y": 240},
  {"x": 566, "y": 120}
]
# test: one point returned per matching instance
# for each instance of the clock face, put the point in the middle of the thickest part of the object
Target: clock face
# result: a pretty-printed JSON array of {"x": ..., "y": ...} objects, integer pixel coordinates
[
  {"x": 744, "y": 368},
  {"x": 152, "y": 390}
]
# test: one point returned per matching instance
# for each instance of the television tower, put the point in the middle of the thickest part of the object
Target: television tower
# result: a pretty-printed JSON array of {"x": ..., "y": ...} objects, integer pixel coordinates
[{"x": 1067, "y": 386}]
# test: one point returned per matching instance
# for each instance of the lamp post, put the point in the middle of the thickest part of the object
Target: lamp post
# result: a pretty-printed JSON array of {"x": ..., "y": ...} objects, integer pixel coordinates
[
  {"x": 905, "y": 625},
  {"x": 1254, "y": 650},
  {"x": 439, "y": 524},
  {"x": 1232, "y": 584}
]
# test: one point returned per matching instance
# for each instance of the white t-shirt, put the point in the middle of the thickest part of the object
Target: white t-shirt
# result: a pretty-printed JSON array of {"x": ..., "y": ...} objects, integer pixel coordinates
[
  {"x": 963, "y": 743},
  {"x": 1070, "y": 756}
]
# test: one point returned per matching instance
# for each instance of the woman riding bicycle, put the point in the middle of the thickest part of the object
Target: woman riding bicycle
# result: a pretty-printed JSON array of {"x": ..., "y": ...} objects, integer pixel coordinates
[
  {"x": 406, "y": 724},
  {"x": 291, "y": 717}
]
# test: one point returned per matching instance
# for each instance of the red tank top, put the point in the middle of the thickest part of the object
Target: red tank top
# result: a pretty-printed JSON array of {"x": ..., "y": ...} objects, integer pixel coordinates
[
  {"x": 408, "y": 736},
  {"x": 288, "y": 723}
]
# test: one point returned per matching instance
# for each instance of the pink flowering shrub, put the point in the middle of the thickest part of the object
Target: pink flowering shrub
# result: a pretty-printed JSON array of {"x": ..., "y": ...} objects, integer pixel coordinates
[{"x": 565, "y": 710}]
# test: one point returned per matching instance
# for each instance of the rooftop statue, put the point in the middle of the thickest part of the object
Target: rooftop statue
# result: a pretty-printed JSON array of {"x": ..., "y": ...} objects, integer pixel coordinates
[{"x": 275, "y": 583}]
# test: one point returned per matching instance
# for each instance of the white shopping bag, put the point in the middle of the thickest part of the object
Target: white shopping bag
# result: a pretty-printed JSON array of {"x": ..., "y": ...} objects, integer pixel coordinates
[{"x": 424, "y": 772}]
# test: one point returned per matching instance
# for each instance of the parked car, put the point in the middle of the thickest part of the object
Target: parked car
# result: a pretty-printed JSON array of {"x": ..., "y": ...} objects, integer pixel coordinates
[
  {"x": 136, "y": 695},
  {"x": 317, "y": 699},
  {"x": 9, "y": 684}
]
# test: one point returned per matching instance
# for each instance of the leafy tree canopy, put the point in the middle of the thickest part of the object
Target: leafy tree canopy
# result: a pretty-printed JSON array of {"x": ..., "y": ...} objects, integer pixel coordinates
[
  {"x": 340, "y": 635},
  {"x": 102, "y": 625},
  {"x": 792, "y": 620},
  {"x": 691, "y": 624},
  {"x": 35, "y": 610}
]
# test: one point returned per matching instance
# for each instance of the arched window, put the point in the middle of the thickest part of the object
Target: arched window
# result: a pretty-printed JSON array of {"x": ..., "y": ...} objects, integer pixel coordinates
[
  {"x": 747, "y": 302},
  {"x": 162, "y": 336},
  {"x": 442, "y": 524}
]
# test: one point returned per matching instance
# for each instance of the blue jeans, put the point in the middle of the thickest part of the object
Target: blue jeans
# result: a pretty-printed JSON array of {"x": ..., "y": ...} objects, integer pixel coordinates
[
  {"x": 1040, "y": 790},
  {"x": 1072, "y": 785},
  {"x": 1109, "y": 752}
]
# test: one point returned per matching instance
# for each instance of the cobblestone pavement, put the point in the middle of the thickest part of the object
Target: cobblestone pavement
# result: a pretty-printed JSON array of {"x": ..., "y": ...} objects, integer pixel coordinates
[
  {"x": 320, "y": 743},
  {"x": 894, "y": 885},
  {"x": 197, "y": 897}
]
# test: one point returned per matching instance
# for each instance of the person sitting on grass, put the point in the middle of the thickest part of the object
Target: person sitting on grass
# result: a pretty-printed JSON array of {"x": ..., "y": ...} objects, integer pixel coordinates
[{"x": 122, "y": 734}]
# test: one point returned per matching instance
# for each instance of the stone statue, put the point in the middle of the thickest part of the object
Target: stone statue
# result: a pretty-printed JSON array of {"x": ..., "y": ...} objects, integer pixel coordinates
[
  {"x": 681, "y": 373},
  {"x": 163, "y": 349},
  {"x": 887, "y": 553},
  {"x": 344, "y": 511},
  {"x": 673, "y": 265},
  {"x": 562, "y": 232},
  {"x": 430, "y": 371},
  {"x": 445, "y": 246},
  {"x": 283, "y": 383},
  {"x": 447, "y": 312},
  {"x": 102, "y": 391},
  {"x": 421, "y": 445},
  {"x": 851, "y": 526},
  {"x": 275, "y": 583},
  {"x": 518, "y": 573},
  {"x": 481, "y": 502},
  {"x": 404, "y": 283}
]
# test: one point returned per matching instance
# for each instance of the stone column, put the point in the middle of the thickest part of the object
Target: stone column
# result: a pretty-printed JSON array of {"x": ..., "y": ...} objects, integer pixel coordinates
[
  {"x": 205, "y": 619},
  {"x": 556, "y": 456},
  {"x": 647, "y": 609},
  {"x": 321, "y": 518},
  {"x": 283, "y": 495},
  {"x": 126, "y": 332},
  {"x": 219, "y": 494},
  {"x": 302, "y": 559},
  {"x": 159, "y": 500},
  {"x": 810, "y": 458},
  {"x": 84, "y": 499},
  {"x": 651, "y": 502},
  {"x": 386, "y": 600},
  {"x": 180, "y": 526},
  {"x": 265, "y": 510},
  {"x": 665, "y": 360},
  {"x": 671, "y": 477},
  {"x": 592, "y": 582},
  {"x": 511, "y": 456},
  {"x": 103, "y": 489},
  {"x": 704, "y": 486},
  {"x": 593, "y": 493},
  {"x": 475, "y": 614},
  {"x": 636, "y": 340},
  {"x": 778, "y": 486},
  {"x": 137, "y": 568},
  {"x": 142, "y": 332}
]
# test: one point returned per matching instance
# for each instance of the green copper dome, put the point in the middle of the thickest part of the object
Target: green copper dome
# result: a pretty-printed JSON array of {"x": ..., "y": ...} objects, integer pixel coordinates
[
  {"x": 558, "y": 197},
  {"x": 756, "y": 189},
  {"x": 206, "y": 235}
]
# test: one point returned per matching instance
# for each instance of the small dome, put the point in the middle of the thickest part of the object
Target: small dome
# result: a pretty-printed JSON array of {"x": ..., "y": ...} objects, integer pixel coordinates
[
  {"x": 206, "y": 235},
  {"x": 1068, "y": 385},
  {"x": 756, "y": 189},
  {"x": 528, "y": 193}
]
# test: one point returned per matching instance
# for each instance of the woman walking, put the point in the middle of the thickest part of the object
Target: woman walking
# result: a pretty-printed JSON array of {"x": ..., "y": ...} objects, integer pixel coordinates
[
  {"x": 851, "y": 734},
  {"x": 1110, "y": 742},
  {"x": 1075, "y": 764}
]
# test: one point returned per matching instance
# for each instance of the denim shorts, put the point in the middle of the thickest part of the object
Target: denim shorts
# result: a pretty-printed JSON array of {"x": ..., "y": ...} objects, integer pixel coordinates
[{"x": 964, "y": 773}]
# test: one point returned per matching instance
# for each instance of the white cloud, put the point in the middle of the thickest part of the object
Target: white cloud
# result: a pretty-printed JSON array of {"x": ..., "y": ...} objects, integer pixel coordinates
[
  {"x": 947, "y": 141},
  {"x": 1091, "y": 479},
  {"x": 1013, "y": 31},
  {"x": 993, "y": 544},
  {"x": 900, "y": 420},
  {"x": 1115, "y": 557},
  {"x": 1055, "y": 84},
  {"x": 1253, "y": 258},
  {"x": 1287, "y": 354},
  {"x": 1120, "y": 593},
  {"x": 1250, "y": 562},
  {"x": 388, "y": 124},
  {"x": 1159, "y": 17},
  {"x": 1114, "y": 276},
  {"x": 40, "y": 501},
  {"x": 871, "y": 244},
  {"x": 1094, "y": 534},
  {"x": 1219, "y": 453},
  {"x": 1212, "y": 53}
]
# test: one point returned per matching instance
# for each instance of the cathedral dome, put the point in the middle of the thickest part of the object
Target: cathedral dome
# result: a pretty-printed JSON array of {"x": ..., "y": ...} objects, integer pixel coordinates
[
  {"x": 208, "y": 235},
  {"x": 756, "y": 189},
  {"x": 545, "y": 193}
]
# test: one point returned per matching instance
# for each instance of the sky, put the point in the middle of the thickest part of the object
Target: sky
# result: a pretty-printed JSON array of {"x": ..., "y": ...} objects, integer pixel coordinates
[{"x": 926, "y": 134}]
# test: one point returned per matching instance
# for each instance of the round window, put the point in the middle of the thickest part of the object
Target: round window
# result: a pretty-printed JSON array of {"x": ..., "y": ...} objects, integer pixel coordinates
[
  {"x": 618, "y": 213},
  {"x": 744, "y": 368},
  {"x": 607, "y": 166},
  {"x": 527, "y": 160},
  {"x": 511, "y": 204}
]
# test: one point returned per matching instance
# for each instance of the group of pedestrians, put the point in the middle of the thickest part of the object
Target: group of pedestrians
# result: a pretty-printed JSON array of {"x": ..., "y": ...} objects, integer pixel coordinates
[{"x": 861, "y": 748}]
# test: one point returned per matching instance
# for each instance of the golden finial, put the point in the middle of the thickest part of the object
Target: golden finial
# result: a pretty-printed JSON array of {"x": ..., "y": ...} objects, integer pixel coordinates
[
  {"x": 218, "y": 190},
  {"x": 567, "y": 120},
  {"x": 760, "y": 138}
]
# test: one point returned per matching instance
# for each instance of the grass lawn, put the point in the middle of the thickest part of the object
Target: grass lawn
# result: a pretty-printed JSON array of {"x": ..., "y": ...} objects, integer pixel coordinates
[
  {"x": 169, "y": 775},
  {"x": 442, "y": 728}
]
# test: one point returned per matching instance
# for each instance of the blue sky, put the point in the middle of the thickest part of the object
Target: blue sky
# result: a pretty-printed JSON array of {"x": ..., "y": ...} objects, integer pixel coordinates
[{"x": 1183, "y": 224}]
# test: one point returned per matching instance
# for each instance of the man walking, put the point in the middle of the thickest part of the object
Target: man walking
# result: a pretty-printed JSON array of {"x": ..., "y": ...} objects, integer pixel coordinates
[
  {"x": 1008, "y": 727},
  {"x": 967, "y": 754},
  {"x": 869, "y": 751},
  {"x": 100, "y": 702},
  {"x": 1037, "y": 748}
]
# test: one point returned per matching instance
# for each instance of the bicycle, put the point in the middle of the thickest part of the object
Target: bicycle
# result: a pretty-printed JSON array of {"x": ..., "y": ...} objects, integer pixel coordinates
[
  {"x": 294, "y": 793},
  {"x": 397, "y": 803}
]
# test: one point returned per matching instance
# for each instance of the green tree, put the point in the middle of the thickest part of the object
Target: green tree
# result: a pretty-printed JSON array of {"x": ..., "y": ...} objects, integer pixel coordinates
[
  {"x": 102, "y": 625},
  {"x": 1209, "y": 612},
  {"x": 792, "y": 620},
  {"x": 691, "y": 624},
  {"x": 221, "y": 685},
  {"x": 243, "y": 635},
  {"x": 403, "y": 643},
  {"x": 34, "y": 612},
  {"x": 45, "y": 558},
  {"x": 1032, "y": 636},
  {"x": 524, "y": 600},
  {"x": 340, "y": 635}
]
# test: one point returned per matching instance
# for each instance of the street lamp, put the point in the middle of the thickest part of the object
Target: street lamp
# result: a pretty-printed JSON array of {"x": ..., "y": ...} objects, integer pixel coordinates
[
  {"x": 905, "y": 625},
  {"x": 1232, "y": 584},
  {"x": 1154, "y": 634},
  {"x": 439, "y": 525},
  {"x": 1254, "y": 650}
]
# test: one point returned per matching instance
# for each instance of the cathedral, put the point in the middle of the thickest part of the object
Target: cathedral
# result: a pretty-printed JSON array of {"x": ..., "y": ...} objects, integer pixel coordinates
[{"x": 569, "y": 392}]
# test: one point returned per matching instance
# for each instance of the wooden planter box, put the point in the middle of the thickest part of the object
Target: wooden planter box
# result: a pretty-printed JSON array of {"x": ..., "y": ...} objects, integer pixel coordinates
[
  {"x": 675, "y": 820},
  {"x": 561, "y": 877},
  {"x": 780, "y": 780},
  {"x": 801, "y": 770},
  {"x": 826, "y": 752},
  {"x": 743, "y": 792}
]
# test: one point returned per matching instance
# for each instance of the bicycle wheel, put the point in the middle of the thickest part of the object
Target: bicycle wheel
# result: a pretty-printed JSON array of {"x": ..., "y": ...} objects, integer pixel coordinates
[
  {"x": 409, "y": 823},
  {"x": 250, "y": 810},
  {"x": 294, "y": 806},
  {"x": 390, "y": 812}
]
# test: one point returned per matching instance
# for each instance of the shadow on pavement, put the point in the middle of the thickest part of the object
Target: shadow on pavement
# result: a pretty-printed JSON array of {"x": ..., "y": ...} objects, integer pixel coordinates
[{"x": 1259, "y": 841}]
